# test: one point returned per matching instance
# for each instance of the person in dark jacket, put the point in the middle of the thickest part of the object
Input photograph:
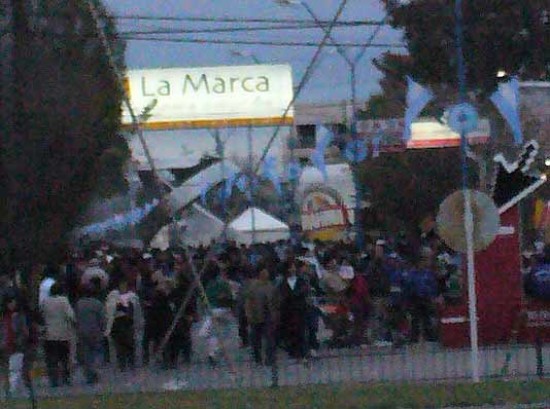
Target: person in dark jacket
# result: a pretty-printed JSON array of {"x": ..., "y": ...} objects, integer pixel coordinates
[
  {"x": 261, "y": 312},
  {"x": 379, "y": 284},
  {"x": 91, "y": 323},
  {"x": 181, "y": 341},
  {"x": 293, "y": 292},
  {"x": 159, "y": 318},
  {"x": 422, "y": 291}
]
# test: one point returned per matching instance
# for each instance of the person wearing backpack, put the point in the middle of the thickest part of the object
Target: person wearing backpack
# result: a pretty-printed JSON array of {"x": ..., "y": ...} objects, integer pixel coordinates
[{"x": 124, "y": 322}]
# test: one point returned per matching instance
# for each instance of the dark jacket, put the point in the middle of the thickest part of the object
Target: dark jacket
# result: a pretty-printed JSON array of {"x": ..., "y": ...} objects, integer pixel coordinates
[{"x": 90, "y": 318}]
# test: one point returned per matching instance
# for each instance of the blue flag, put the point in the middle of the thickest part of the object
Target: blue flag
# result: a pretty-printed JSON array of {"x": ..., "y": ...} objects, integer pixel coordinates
[
  {"x": 506, "y": 99},
  {"x": 417, "y": 98},
  {"x": 205, "y": 187},
  {"x": 269, "y": 171}
]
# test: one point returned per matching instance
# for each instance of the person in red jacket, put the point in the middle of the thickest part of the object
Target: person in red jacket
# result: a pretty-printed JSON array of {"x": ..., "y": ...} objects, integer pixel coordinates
[{"x": 359, "y": 307}]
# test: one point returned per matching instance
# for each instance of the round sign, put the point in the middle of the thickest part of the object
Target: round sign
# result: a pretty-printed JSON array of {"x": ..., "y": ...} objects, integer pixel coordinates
[
  {"x": 463, "y": 118},
  {"x": 450, "y": 220}
]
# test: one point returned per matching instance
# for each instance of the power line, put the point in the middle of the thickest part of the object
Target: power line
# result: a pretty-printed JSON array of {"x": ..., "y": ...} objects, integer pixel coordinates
[
  {"x": 258, "y": 42},
  {"x": 162, "y": 30},
  {"x": 238, "y": 20}
]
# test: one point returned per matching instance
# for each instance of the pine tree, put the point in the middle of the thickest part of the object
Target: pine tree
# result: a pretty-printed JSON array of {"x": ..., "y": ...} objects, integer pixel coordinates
[{"x": 60, "y": 126}]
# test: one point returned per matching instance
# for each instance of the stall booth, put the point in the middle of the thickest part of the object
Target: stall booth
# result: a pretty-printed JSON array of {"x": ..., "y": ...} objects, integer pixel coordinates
[{"x": 505, "y": 313}]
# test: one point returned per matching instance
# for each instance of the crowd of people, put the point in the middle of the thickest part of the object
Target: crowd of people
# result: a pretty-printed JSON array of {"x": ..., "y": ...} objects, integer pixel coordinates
[{"x": 138, "y": 307}]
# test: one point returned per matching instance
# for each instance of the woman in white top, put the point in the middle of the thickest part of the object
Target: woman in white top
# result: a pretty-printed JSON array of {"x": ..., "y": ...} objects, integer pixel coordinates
[{"x": 59, "y": 323}]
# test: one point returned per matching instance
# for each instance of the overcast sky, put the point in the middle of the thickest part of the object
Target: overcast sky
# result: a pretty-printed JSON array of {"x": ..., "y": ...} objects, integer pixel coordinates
[{"x": 329, "y": 82}]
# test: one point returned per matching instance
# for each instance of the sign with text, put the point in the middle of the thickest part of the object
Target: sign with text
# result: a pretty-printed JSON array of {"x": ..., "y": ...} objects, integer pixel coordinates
[{"x": 211, "y": 96}]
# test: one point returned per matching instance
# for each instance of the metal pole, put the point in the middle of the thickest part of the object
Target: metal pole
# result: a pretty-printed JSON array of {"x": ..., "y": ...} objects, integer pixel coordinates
[
  {"x": 251, "y": 178},
  {"x": 358, "y": 191},
  {"x": 220, "y": 151},
  {"x": 468, "y": 216}
]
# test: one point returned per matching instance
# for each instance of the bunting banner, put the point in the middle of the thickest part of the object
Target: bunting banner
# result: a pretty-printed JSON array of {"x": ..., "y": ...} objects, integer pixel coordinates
[
  {"x": 506, "y": 100},
  {"x": 119, "y": 221}
]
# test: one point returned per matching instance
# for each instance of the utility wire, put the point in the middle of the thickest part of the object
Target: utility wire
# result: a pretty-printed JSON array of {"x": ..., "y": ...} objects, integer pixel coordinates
[
  {"x": 236, "y": 20},
  {"x": 172, "y": 30},
  {"x": 260, "y": 42}
]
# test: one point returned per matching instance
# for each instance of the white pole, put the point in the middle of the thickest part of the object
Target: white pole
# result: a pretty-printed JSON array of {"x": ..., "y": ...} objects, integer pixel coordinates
[
  {"x": 251, "y": 178},
  {"x": 472, "y": 298},
  {"x": 468, "y": 216}
]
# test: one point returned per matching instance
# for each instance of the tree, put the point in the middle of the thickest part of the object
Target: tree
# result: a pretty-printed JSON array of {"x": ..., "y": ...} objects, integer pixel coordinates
[
  {"x": 509, "y": 35},
  {"x": 61, "y": 124}
]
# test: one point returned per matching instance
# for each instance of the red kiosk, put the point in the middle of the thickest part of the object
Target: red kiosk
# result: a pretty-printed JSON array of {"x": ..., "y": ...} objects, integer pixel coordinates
[{"x": 504, "y": 312}]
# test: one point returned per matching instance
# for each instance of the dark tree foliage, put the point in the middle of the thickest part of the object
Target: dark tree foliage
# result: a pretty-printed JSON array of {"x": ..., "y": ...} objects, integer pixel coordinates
[
  {"x": 408, "y": 186},
  {"x": 60, "y": 141},
  {"x": 509, "y": 35}
]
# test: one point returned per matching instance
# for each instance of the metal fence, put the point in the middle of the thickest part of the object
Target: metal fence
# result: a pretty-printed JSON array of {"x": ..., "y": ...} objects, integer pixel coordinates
[{"x": 420, "y": 362}]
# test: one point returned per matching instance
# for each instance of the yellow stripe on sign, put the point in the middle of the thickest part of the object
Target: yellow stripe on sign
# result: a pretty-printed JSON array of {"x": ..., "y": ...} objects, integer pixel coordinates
[{"x": 209, "y": 123}]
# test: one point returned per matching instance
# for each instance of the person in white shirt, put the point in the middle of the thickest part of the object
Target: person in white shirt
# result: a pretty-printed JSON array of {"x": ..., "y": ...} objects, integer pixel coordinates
[{"x": 59, "y": 323}]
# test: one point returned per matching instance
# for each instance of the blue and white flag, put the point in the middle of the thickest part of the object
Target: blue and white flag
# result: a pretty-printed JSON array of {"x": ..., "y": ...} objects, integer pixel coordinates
[
  {"x": 417, "y": 98},
  {"x": 506, "y": 99},
  {"x": 120, "y": 221},
  {"x": 323, "y": 138},
  {"x": 323, "y": 141},
  {"x": 242, "y": 183},
  {"x": 318, "y": 160},
  {"x": 245, "y": 186},
  {"x": 294, "y": 170},
  {"x": 229, "y": 181},
  {"x": 205, "y": 187},
  {"x": 269, "y": 171}
]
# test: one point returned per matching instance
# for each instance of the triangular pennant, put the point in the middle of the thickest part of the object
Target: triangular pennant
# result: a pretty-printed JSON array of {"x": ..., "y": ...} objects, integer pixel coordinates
[
  {"x": 506, "y": 99},
  {"x": 417, "y": 98}
]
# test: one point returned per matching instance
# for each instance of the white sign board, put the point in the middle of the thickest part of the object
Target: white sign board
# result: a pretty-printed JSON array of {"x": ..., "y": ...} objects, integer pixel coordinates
[{"x": 212, "y": 96}]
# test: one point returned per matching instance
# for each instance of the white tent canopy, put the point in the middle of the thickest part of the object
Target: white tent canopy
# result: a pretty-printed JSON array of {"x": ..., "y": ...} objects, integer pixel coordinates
[{"x": 256, "y": 224}]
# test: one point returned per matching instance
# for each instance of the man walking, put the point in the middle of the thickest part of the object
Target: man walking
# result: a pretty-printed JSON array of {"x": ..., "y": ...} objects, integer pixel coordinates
[{"x": 90, "y": 318}]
